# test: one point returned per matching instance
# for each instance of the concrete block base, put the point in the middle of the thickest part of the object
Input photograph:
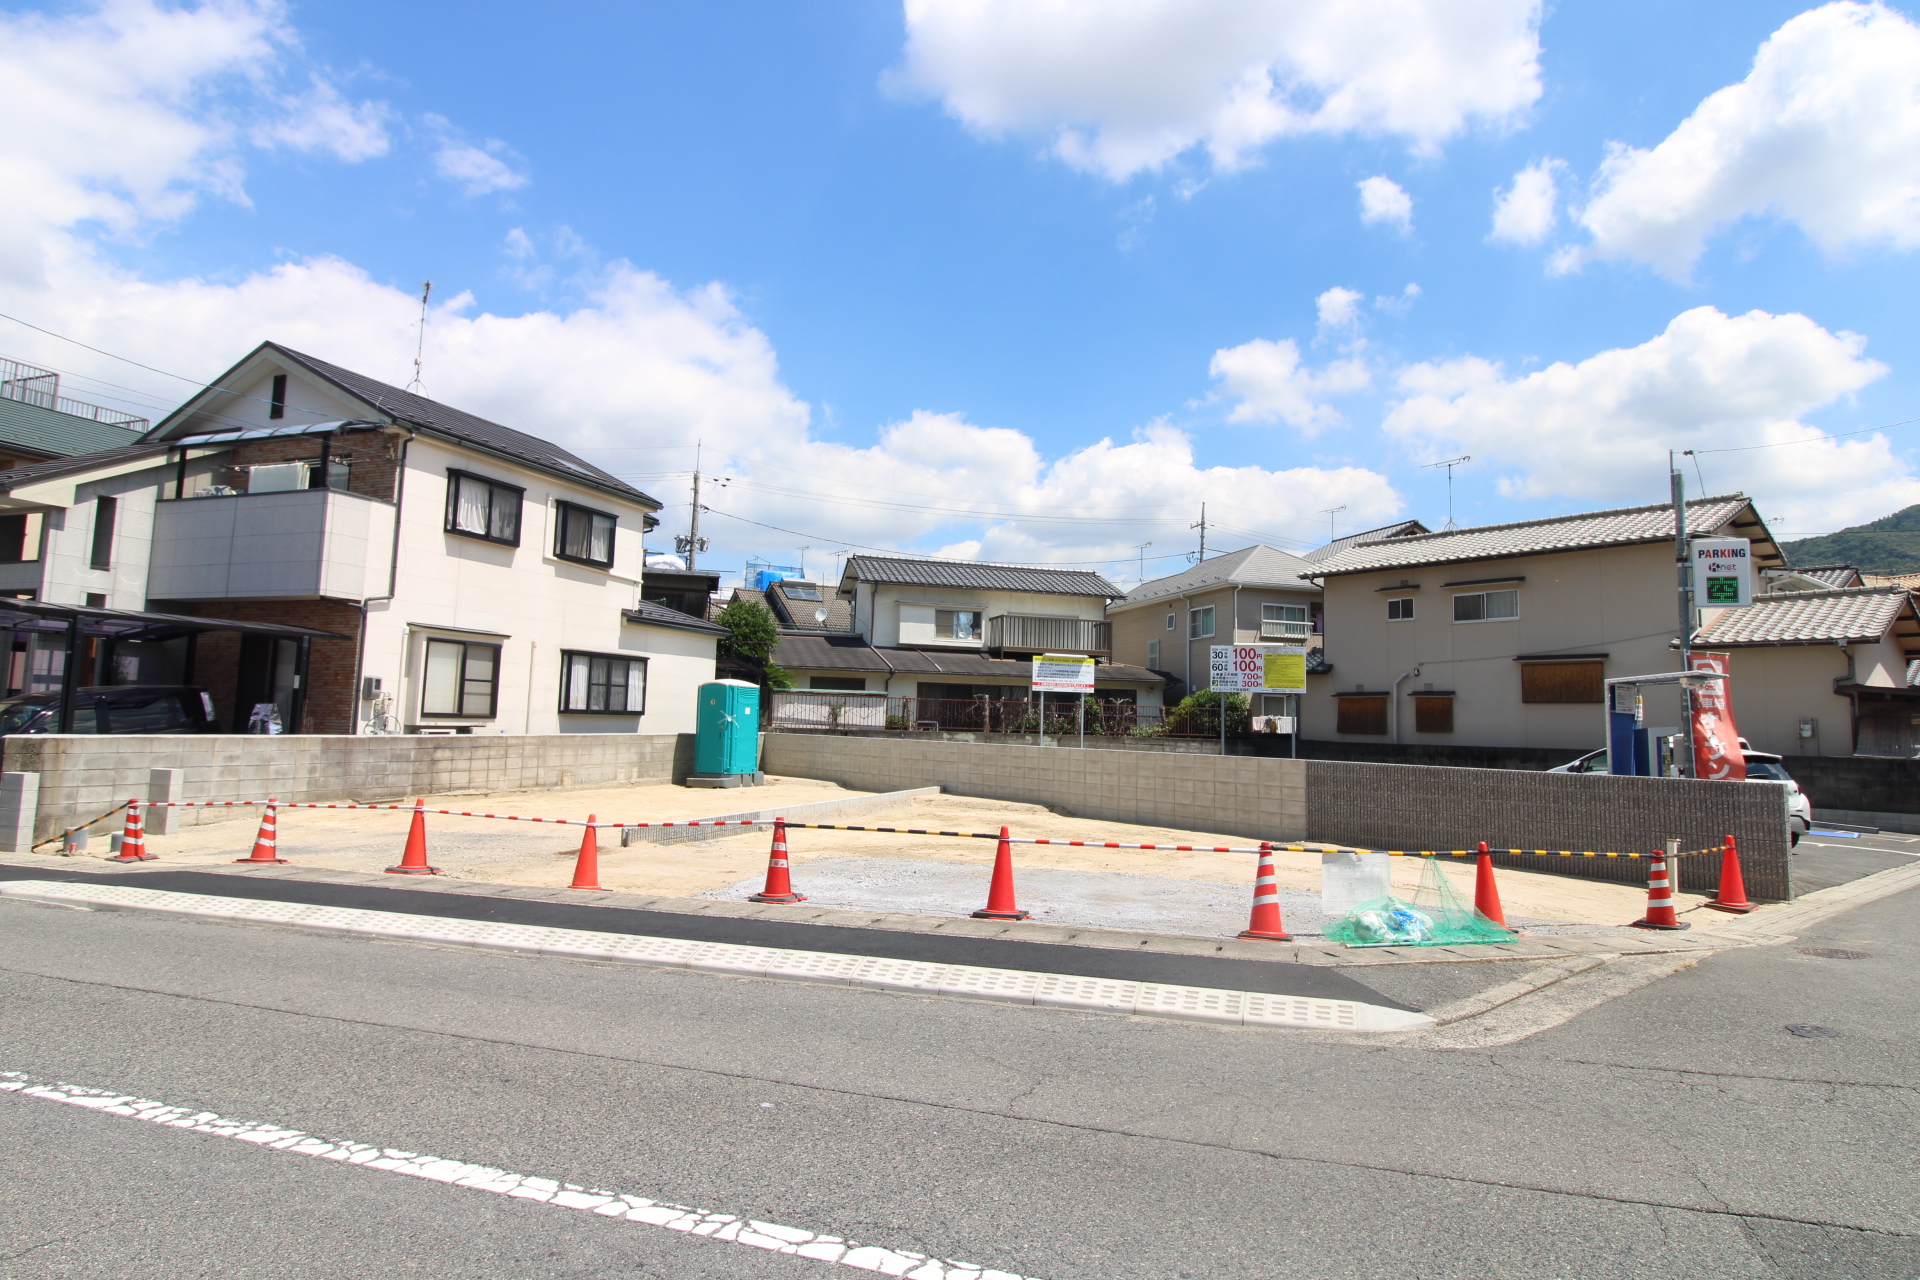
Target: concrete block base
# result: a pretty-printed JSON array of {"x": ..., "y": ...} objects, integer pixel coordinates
[{"x": 726, "y": 779}]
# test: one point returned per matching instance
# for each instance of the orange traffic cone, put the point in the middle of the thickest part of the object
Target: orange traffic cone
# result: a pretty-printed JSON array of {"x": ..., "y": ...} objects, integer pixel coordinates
[
  {"x": 1266, "y": 922},
  {"x": 1732, "y": 894},
  {"x": 586, "y": 872},
  {"x": 1660, "y": 898},
  {"x": 1000, "y": 903},
  {"x": 266, "y": 844},
  {"x": 1486, "y": 894},
  {"x": 414, "y": 861},
  {"x": 133, "y": 844},
  {"x": 779, "y": 881}
]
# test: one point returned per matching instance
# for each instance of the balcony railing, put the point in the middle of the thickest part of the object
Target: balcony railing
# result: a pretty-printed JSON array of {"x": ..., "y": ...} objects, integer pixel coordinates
[
  {"x": 25, "y": 383},
  {"x": 1033, "y": 633}
]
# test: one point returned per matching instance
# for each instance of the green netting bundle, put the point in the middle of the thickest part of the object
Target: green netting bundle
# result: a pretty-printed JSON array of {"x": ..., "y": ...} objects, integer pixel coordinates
[{"x": 1436, "y": 917}]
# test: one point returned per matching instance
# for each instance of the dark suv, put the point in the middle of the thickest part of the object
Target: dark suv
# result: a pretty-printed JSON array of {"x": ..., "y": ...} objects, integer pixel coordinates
[{"x": 132, "y": 708}]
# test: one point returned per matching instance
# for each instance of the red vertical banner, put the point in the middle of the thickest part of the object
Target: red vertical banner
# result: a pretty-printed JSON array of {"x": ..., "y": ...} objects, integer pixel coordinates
[{"x": 1716, "y": 742}]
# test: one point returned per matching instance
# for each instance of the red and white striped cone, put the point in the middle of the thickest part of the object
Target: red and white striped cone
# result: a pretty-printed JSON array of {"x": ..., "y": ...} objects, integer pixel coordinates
[
  {"x": 779, "y": 881},
  {"x": 1732, "y": 894},
  {"x": 1266, "y": 922},
  {"x": 266, "y": 845},
  {"x": 1660, "y": 898},
  {"x": 1000, "y": 903},
  {"x": 133, "y": 842},
  {"x": 1486, "y": 894},
  {"x": 586, "y": 871},
  {"x": 414, "y": 861}
]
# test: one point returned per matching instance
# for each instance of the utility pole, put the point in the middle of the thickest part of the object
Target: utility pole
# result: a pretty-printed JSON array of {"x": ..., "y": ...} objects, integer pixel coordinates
[
  {"x": 1201, "y": 525},
  {"x": 690, "y": 543},
  {"x": 1330, "y": 513},
  {"x": 1450, "y": 464},
  {"x": 1142, "y": 549},
  {"x": 1683, "y": 560}
]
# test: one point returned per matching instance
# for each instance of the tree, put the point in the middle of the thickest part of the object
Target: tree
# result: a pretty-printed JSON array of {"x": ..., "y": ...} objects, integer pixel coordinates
[
  {"x": 751, "y": 639},
  {"x": 1207, "y": 701}
]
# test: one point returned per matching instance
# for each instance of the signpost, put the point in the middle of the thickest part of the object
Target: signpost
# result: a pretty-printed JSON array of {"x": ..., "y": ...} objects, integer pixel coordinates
[
  {"x": 1258, "y": 668},
  {"x": 1063, "y": 673},
  {"x": 1722, "y": 573}
]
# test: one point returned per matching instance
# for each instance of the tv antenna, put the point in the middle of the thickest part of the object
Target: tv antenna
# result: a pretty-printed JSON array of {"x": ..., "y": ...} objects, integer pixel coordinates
[
  {"x": 1330, "y": 513},
  {"x": 1142, "y": 549},
  {"x": 1450, "y": 464},
  {"x": 420, "y": 341}
]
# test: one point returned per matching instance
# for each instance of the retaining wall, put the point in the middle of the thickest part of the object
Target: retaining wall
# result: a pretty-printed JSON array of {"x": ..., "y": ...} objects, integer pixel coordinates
[
  {"x": 1881, "y": 784},
  {"x": 81, "y": 775},
  {"x": 1377, "y": 806}
]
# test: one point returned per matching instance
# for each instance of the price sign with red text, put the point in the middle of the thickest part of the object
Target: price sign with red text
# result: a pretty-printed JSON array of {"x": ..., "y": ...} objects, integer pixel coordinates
[{"x": 1258, "y": 668}]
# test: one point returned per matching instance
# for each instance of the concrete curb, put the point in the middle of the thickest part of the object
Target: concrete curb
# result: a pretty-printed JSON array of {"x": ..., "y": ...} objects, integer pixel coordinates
[
  {"x": 1776, "y": 924},
  {"x": 808, "y": 812}
]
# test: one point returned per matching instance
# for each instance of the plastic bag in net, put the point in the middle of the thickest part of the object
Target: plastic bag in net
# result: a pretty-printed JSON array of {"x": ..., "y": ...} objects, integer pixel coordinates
[{"x": 1437, "y": 916}]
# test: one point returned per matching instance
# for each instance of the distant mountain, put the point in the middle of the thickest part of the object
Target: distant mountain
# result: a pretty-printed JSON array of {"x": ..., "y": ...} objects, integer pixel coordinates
[{"x": 1888, "y": 545}]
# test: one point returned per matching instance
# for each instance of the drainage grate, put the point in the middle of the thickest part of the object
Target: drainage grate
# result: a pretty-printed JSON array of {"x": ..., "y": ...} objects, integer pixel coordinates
[
  {"x": 1835, "y": 953},
  {"x": 1807, "y": 1031}
]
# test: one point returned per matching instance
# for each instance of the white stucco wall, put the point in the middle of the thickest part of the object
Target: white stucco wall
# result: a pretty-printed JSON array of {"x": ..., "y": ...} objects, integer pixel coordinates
[{"x": 878, "y": 611}]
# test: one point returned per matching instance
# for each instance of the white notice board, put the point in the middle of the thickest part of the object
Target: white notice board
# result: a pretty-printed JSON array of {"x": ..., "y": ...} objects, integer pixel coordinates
[
  {"x": 1722, "y": 573},
  {"x": 1258, "y": 668},
  {"x": 1062, "y": 673}
]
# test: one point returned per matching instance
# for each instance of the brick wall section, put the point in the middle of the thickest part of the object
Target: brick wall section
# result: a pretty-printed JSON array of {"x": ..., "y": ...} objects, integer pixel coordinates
[
  {"x": 81, "y": 776},
  {"x": 370, "y": 452},
  {"x": 1378, "y": 806},
  {"x": 331, "y": 697}
]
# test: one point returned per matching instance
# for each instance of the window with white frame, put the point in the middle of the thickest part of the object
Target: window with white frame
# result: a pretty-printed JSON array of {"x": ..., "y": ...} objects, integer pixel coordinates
[
  {"x": 462, "y": 680},
  {"x": 585, "y": 535},
  {"x": 1283, "y": 622},
  {"x": 482, "y": 508},
  {"x": 602, "y": 684},
  {"x": 1172, "y": 621},
  {"x": 1400, "y": 610},
  {"x": 957, "y": 624},
  {"x": 1153, "y": 655},
  {"x": 1486, "y": 606},
  {"x": 1200, "y": 623}
]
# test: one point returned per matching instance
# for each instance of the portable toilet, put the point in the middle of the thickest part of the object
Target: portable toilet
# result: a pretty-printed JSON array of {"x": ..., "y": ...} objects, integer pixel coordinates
[{"x": 726, "y": 746}]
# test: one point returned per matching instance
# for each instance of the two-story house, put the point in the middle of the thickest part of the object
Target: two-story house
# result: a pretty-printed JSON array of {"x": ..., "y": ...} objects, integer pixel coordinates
[
  {"x": 947, "y": 631},
  {"x": 1254, "y": 596},
  {"x": 450, "y": 574}
]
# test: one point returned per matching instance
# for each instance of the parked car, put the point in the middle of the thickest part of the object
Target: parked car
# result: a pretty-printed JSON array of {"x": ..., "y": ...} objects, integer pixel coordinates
[
  {"x": 128, "y": 708},
  {"x": 1761, "y": 767}
]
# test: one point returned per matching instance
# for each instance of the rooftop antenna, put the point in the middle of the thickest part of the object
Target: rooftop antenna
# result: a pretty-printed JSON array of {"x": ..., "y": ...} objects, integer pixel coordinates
[
  {"x": 1142, "y": 549},
  {"x": 1330, "y": 513},
  {"x": 420, "y": 343},
  {"x": 1201, "y": 525},
  {"x": 803, "y": 563},
  {"x": 1450, "y": 464}
]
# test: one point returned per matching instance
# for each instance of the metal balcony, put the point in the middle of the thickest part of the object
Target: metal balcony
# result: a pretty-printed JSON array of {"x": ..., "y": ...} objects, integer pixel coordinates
[{"x": 1032, "y": 633}]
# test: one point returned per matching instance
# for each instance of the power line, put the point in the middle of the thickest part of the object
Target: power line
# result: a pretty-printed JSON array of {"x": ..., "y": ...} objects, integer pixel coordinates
[{"x": 1833, "y": 435}]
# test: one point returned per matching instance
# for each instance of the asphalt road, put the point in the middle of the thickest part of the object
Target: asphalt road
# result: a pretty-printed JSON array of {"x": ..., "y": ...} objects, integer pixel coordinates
[{"x": 1678, "y": 1130}]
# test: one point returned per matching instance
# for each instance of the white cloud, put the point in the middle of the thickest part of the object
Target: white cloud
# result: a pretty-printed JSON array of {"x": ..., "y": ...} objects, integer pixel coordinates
[
  {"x": 1339, "y": 309},
  {"x": 1526, "y": 211},
  {"x": 1271, "y": 385},
  {"x": 1383, "y": 202},
  {"x": 321, "y": 120},
  {"x": 1119, "y": 89},
  {"x": 479, "y": 169},
  {"x": 1599, "y": 430},
  {"x": 1399, "y": 304},
  {"x": 1825, "y": 132}
]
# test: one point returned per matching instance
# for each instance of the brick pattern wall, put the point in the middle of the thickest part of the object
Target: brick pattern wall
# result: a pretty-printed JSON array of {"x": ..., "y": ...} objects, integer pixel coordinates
[
  {"x": 371, "y": 454},
  {"x": 82, "y": 776},
  {"x": 331, "y": 697}
]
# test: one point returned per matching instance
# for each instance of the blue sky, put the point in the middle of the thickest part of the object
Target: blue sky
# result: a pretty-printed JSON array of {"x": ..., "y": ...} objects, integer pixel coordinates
[{"x": 906, "y": 270}]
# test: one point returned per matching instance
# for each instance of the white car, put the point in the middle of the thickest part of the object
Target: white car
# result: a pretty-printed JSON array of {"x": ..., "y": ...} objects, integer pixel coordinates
[{"x": 1761, "y": 767}]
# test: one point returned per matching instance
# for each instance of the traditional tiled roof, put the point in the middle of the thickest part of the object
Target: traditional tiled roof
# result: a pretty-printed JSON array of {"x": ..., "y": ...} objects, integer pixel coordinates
[
  {"x": 58, "y": 435},
  {"x": 1624, "y": 526},
  {"x": 852, "y": 653},
  {"x": 1911, "y": 581},
  {"x": 1833, "y": 575},
  {"x": 978, "y": 577},
  {"x": 797, "y": 615},
  {"x": 1853, "y": 614},
  {"x": 1256, "y": 566},
  {"x": 1405, "y": 529}
]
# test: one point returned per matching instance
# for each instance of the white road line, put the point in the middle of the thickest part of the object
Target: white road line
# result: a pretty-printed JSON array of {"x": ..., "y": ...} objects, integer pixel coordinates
[
  {"x": 769, "y": 1236},
  {"x": 976, "y": 982}
]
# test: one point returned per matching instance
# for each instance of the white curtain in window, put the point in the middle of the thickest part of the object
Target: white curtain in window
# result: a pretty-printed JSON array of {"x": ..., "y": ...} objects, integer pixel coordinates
[
  {"x": 601, "y": 545},
  {"x": 442, "y": 693},
  {"x": 470, "y": 508},
  {"x": 576, "y": 682},
  {"x": 636, "y": 686}
]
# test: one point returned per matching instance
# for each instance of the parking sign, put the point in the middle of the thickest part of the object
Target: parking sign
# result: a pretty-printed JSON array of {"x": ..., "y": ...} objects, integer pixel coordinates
[{"x": 1722, "y": 573}]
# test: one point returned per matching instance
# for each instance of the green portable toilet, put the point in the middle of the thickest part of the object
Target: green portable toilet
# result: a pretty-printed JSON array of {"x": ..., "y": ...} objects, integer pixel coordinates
[{"x": 726, "y": 747}]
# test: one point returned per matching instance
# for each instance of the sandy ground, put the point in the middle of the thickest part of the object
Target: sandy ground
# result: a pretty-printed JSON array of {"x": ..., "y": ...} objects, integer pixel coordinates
[{"x": 1122, "y": 888}]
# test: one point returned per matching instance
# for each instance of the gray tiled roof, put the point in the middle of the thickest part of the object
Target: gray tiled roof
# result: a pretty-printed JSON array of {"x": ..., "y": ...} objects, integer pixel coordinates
[
  {"x": 1404, "y": 529},
  {"x": 59, "y": 435},
  {"x": 986, "y": 577},
  {"x": 1808, "y": 617},
  {"x": 658, "y": 615},
  {"x": 1624, "y": 526},
  {"x": 852, "y": 653},
  {"x": 1255, "y": 566},
  {"x": 797, "y": 615},
  {"x": 54, "y": 468}
]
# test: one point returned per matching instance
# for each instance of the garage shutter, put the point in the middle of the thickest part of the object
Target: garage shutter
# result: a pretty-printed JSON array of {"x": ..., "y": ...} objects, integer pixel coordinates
[
  {"x": 1432, "y": 715},
  {"x": 1362, "y": 715},
  {"x": 1561, "y": 681}
]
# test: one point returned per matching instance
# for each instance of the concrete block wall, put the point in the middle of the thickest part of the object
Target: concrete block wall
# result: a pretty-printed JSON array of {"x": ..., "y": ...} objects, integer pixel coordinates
[
  {"x": 1256, "y": 799},
  {"x": 82, "y": 775}
]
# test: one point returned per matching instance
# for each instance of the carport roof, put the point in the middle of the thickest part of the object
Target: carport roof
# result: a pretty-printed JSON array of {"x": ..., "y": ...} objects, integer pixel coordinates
[{"x": 140, "y": 624}]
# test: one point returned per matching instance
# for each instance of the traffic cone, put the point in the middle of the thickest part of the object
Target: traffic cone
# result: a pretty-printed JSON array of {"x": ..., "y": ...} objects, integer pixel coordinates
[
  {"x": 779, "y": 881},
  {"x": 1486, "y": 894},
  {"x": 266, "y": 844},
  {"x": 586, "y": 872},
  {"x": 414, "y": 861},
  {"x": 133, "y": 844},
  {"x": 1660, "y": 898},
  {"x": 1000, "y": 903},
  {"x": 1732, "y": 894},
  {"x": 1266, "y": 922}
]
